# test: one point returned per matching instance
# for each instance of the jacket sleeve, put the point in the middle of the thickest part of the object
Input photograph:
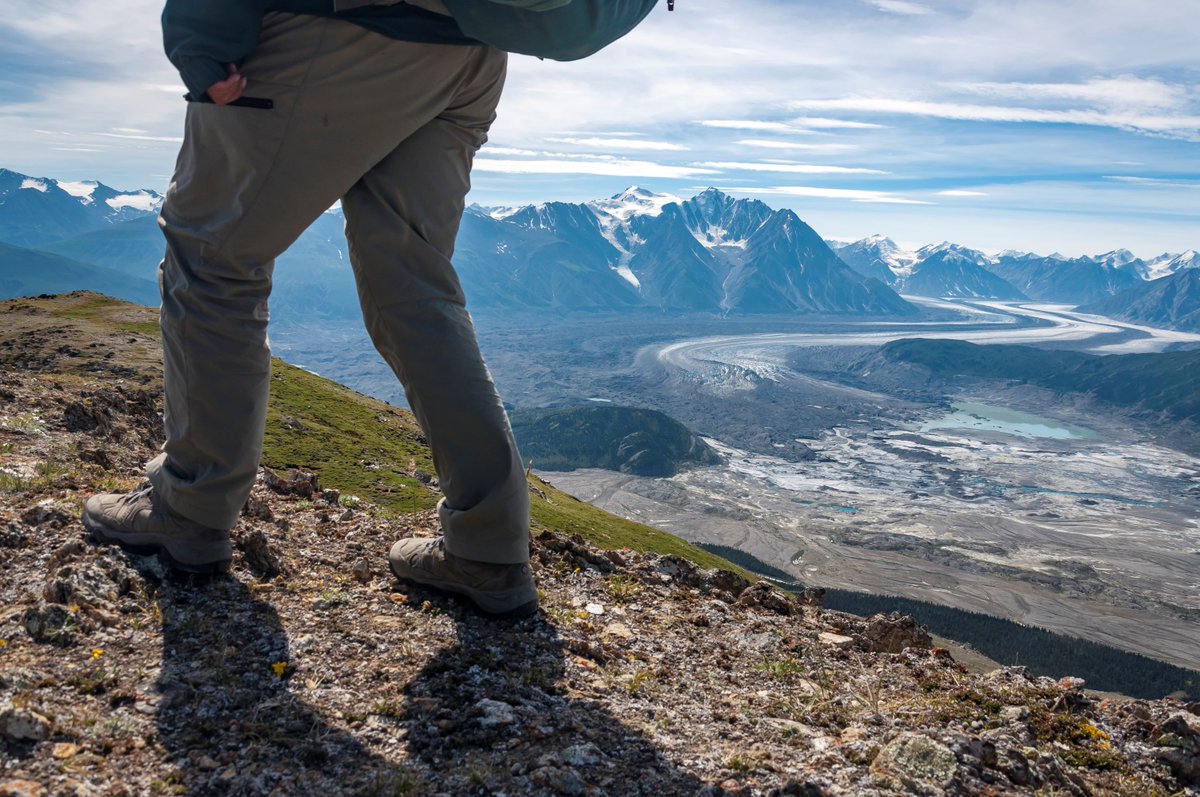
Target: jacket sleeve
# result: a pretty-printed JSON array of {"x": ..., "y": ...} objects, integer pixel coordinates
[{"x": 201, "y": 36}]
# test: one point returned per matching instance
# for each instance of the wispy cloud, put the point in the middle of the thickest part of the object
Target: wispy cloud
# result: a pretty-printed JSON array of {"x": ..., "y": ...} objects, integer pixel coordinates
[
  {"x": 821, "y": 123},
  {"x": 605, "y": 168},
  {"x": 1126, "y": 92},
  {"x": 135, "y": 137},
  {"x": 1153, "y": 181},
  {"x": 753, "y": 124},
  {"x": 1145, "y": 122},
  {"x": 621, "y": 143},
  {"x": 786, "y": 168},
  {"x": 850, "y": 194},
  {"x": 901, "y": 7},
  {"x": 961, "y": 193},
  {"x": 762, "y": 143}
]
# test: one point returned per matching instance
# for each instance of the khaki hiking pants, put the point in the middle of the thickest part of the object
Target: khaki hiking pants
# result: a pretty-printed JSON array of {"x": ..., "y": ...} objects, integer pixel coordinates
[{"x": 389, "y": 128}]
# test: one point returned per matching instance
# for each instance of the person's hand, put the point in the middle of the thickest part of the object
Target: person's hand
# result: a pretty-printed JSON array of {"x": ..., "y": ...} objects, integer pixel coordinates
[{"x": 229, "y": 89}]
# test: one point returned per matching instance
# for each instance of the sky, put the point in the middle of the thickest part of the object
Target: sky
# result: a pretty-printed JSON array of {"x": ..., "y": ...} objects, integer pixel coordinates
[{"x": 1038, "y": 125}]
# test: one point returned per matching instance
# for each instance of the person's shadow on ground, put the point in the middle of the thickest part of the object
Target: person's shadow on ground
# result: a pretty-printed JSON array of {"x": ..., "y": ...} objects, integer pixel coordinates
[{"x": 488, "y": 714}]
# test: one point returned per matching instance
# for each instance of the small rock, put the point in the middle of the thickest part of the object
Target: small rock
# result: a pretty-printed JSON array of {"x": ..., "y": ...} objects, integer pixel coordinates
[
  {"x": 45, "y": 512},
  {"x": 619, "y": 630},
  {"x": 893, "y": 633},
  {"x": 362, "y": 571},
  {"x": 582, "y": 755},
  {"x": 790, "y": 727},
  {"x": 297, "y": 483},
  {"x": 49, "y": 622},
  {"x": 494, "y": 712},
  {"x": 594, "y": 608},
  {"x": 260, "y": 555},
  {"x": 21, "y": 788},
  {"x": 835, "y": 640},
  {"x": 207, "y": 764},
  {"x": 1071, "y": 682},
  {"x": 1178, "y": 739},
  {"x": 1014, "y": 713},
  {"x": 758, "y": 643},
  {"x": 731, "y": 788},
  {"x": 64, "y": 750},
  {"x": 258, "y": 508},
  {"x": 23, "y": 725},
  {"x": 762, "y": 595},
  {"x": 854, "y": 734}
]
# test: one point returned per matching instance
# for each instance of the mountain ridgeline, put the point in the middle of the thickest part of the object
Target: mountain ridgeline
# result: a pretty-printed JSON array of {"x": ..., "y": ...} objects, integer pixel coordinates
[
  {"x": 643, "y": 251},
  {"x": 635, "y": 252}
]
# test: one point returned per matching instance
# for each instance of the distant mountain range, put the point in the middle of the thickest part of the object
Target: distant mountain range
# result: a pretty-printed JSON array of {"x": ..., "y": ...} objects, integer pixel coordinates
[
  {"x": 1172, "y": 301},
  {"x": 635, "y": 251}
]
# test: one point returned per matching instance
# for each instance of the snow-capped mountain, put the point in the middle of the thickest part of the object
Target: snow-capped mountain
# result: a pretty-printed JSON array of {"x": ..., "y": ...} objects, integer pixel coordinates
[
  {"x": 944, "y": 269},
  {"x": 710, "y": 253},
  {"x": 633, "y": 201},
  {"x": 1168, "y": 263},
  {"x": 1058, "y": 279},
  {"x": 38, "y": 210},
  {"x": 948, "y": 269},
  {"x": 878, "y": 256},
  {"x": 1116, "y": 258}
]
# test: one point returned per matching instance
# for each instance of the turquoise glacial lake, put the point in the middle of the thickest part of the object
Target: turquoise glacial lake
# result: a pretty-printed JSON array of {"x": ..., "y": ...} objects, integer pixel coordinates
[{"x": 969, "y": 416}]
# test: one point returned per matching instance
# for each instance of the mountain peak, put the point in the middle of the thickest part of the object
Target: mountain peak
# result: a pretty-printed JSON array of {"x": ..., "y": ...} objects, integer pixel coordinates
[{"x": 633, "y": 201}]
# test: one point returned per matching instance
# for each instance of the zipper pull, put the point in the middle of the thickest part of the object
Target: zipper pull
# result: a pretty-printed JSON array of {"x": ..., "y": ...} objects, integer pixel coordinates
[{"x": 670, "y": 5}]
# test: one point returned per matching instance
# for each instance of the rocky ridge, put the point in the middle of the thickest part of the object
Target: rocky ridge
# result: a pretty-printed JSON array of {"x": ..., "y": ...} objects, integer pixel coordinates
[{"x": 309, "y": 670}]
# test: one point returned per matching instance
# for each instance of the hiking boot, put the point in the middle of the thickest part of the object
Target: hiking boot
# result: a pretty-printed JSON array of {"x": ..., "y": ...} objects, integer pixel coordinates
[
  {"x": 496, "y": 591},
  {"x": 143, "y": 523}
]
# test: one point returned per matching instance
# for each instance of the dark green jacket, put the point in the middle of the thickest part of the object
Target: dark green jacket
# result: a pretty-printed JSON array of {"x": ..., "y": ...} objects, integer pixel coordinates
[{"x": 201, "y": 36}]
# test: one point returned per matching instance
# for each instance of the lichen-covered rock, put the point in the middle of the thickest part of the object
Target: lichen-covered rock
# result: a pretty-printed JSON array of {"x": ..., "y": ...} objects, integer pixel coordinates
[
  {"x": 915, "y": 763},
  {"x": 23, "y": 725},
  {"x": 50, "y": 623}
]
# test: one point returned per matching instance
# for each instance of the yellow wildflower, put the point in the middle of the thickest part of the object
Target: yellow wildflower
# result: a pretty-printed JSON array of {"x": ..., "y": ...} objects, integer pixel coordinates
[
  {"x": 97, "y": 653},
  {"x": 3, "y": 643},
  {"x": 279, "y": 668}
]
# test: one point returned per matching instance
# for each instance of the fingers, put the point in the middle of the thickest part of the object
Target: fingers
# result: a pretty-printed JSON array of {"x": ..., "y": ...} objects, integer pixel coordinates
[{"x": 229, "y": 89}]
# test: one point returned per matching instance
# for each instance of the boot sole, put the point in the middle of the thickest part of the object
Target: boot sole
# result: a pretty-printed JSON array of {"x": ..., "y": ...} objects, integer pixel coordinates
[
  {"x": 105, "y": 534},
  {"x": 463, "y": 596}
]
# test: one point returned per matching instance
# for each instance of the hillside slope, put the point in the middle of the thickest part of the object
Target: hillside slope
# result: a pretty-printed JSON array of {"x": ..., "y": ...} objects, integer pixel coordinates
[
  {"x": 28, "y": 272},
  {"x": 1167, "y": 383},
  {"x": 308, "y": 670}
]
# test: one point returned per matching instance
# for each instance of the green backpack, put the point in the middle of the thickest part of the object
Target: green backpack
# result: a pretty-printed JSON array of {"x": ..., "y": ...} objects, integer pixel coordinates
[{"x": 562, "y": 30}]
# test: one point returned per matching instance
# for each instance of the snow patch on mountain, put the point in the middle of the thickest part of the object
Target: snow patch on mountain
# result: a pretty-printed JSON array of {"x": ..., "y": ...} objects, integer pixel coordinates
[
  {"x": 147, "y": 201},
  {"x": 1167, "y": 264},
  {"x": 500, "y": 214},
  {"x": 899, "y": 261},
  {"x": 80, "y": 189},
  {"x": 627, "y": 274},
  {"x": 633, "y": 201},
  {"x": 34, "y": 184},
  {"x": 715, "y": 236}
]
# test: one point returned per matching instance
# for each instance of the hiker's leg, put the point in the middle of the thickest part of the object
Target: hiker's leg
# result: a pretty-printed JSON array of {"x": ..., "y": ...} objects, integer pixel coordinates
[
  {"x": 247, "y": 183},
  {"x": 401, "y": 221}
]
